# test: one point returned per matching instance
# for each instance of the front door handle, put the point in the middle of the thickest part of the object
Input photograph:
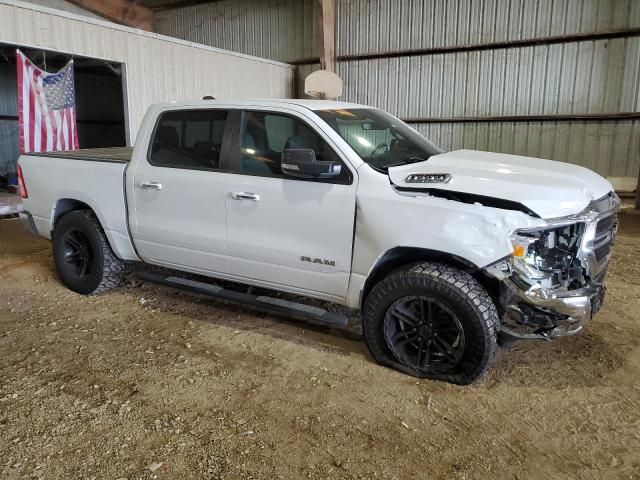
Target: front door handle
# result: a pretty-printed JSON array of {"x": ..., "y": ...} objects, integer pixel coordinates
[
  {"x": 254, "y": 197},
  {"x": 151, "y": 185}
]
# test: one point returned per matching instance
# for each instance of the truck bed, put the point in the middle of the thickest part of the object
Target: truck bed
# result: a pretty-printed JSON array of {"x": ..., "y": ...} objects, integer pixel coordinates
[
  {"x": 94, "y": 177},
  {"x": 111, "y": 154}
]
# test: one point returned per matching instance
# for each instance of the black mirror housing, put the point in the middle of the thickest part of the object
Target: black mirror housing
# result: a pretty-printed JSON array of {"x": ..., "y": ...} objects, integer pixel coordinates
[{"x": 302, "y": 163}]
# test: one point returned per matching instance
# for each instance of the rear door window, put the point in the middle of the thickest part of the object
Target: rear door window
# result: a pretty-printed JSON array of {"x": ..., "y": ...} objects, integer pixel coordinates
[{"x": 190, "y": 139}]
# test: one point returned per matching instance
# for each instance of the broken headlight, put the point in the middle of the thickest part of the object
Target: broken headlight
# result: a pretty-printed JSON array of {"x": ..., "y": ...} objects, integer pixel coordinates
[{"x": 549, "y": 254}]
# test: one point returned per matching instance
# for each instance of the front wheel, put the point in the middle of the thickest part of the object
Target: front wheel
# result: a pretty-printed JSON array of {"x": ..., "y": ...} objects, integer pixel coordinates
[
  {"x": 82, "y": 254},
  {"x": 432, "y": 321}
]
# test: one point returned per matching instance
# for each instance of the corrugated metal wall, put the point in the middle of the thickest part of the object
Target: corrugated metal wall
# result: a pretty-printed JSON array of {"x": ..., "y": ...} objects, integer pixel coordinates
[
  {"x": 578, "y": 77},
  {"x": 582, "y": 77},
  {"x": 600, "y": 76},
  {"x": 367, "y": 26},
  {"x": 282, "y": 30},
  {"x": 158, "y": 68}
]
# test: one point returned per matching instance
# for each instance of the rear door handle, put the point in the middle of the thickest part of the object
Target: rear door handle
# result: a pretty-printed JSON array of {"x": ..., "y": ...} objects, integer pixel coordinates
[
  {"x": 254, "y": 197},
  {"x": 151, "y": 185}
]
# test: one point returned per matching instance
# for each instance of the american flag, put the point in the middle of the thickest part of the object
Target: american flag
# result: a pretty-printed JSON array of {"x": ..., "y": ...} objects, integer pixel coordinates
[{"x": 46, "y": 108}]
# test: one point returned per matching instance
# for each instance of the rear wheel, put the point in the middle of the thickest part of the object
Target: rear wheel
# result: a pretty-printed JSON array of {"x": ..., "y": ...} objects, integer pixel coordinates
[
  {"x": 82, "y": 254},
  {"x": 432, "y": 321}
]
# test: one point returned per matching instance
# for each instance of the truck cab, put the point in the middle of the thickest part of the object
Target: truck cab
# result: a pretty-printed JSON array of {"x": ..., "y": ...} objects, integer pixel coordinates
[{"x": 217, "y": 173}]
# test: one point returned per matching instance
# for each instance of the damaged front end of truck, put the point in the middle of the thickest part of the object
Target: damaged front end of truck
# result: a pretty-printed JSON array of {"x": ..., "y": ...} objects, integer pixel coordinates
[{"x": 553, "y": 283}]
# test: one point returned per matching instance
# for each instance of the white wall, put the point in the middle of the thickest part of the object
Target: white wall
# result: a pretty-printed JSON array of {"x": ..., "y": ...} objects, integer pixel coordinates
[{"x": 158, "y": 68}]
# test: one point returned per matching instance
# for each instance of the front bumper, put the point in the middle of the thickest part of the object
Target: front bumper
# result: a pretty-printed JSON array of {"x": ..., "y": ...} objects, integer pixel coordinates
[
  {"x": 553, "y": 313},
  {"x": 544, "y": 305}
]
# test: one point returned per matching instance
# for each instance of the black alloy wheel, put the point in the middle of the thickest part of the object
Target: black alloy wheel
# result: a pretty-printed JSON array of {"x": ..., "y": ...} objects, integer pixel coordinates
[
  {"x": 424, "y": 334},
  {"x": 78, "y": 255},
  {"x": 431, "y": 320},
  {"x": 83, "y": 257}
]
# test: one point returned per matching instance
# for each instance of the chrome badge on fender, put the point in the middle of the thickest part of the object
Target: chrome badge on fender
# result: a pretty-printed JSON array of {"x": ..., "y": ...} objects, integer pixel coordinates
[{"x": 428, "y": 178}]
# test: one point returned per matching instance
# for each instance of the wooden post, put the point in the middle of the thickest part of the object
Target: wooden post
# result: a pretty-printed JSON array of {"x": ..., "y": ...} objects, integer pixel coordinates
[{"x": 327, "y": 31}]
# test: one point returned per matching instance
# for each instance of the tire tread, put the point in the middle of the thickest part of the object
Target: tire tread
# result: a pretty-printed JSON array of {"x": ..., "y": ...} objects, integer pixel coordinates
[
  {"x": 446, "y": 279},
  {"x": 113, "y": 269}
]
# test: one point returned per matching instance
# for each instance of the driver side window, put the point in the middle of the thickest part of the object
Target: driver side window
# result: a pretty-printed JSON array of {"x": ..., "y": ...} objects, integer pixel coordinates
[{"x": 265, "y": 135}]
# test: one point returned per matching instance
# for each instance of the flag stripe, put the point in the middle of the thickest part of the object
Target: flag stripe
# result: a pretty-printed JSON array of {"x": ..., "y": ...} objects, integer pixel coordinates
[
  {"x": 65, "y": 129},
  {"x": 56, "y": 129},
  {"x": 25, "y": 106},
  {"x": 76, "y": 145},
  {"x": 32, "y": 109},
  {"x": 37, "y": 114},
  {"x": 49, "y": 129},
  {"x": 72, "y": 129}
]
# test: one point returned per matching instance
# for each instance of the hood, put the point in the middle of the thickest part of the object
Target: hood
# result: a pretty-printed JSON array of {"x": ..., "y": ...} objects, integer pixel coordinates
[{"x": 548, "y": 188}]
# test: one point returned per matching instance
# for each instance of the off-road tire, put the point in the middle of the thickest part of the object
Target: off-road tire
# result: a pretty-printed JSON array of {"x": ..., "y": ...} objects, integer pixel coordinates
[
  {"x": 461, "y": 293},
  {"x": 105, "y": 271}
]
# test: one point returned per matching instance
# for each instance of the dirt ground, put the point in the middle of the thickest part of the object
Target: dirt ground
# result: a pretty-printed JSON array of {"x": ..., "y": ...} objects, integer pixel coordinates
[{"x": 147, "y": 382}]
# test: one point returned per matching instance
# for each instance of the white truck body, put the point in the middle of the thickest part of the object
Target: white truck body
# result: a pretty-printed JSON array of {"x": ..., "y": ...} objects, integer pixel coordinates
[{"x": 316, "y": 239}]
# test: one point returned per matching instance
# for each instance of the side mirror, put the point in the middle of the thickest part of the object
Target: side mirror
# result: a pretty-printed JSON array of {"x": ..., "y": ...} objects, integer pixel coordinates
[{"x": 302, "y": 163}]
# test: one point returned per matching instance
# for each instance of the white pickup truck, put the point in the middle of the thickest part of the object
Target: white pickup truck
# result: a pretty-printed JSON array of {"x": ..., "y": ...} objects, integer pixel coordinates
[{"x": 443, "y": 253}]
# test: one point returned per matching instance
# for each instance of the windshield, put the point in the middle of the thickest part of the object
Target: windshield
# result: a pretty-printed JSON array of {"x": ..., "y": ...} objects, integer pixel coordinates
[{"x": 381, "y": 139}]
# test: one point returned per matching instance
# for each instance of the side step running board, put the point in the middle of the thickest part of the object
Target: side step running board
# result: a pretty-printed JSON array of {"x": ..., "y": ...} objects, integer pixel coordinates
[{"x": 274, "y": 305}]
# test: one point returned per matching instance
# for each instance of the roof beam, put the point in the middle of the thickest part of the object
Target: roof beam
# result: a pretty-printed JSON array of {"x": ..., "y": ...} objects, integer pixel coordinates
[{"x": 125, "y": 12}]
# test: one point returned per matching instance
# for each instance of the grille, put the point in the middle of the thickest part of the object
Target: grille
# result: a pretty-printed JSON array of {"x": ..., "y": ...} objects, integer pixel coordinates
[
  {"x": 605, "y": 232},
  {"x": 597, "y": 249},
  {"x": 602, "y": 252},
  {"x": 606, "y": 224}
]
